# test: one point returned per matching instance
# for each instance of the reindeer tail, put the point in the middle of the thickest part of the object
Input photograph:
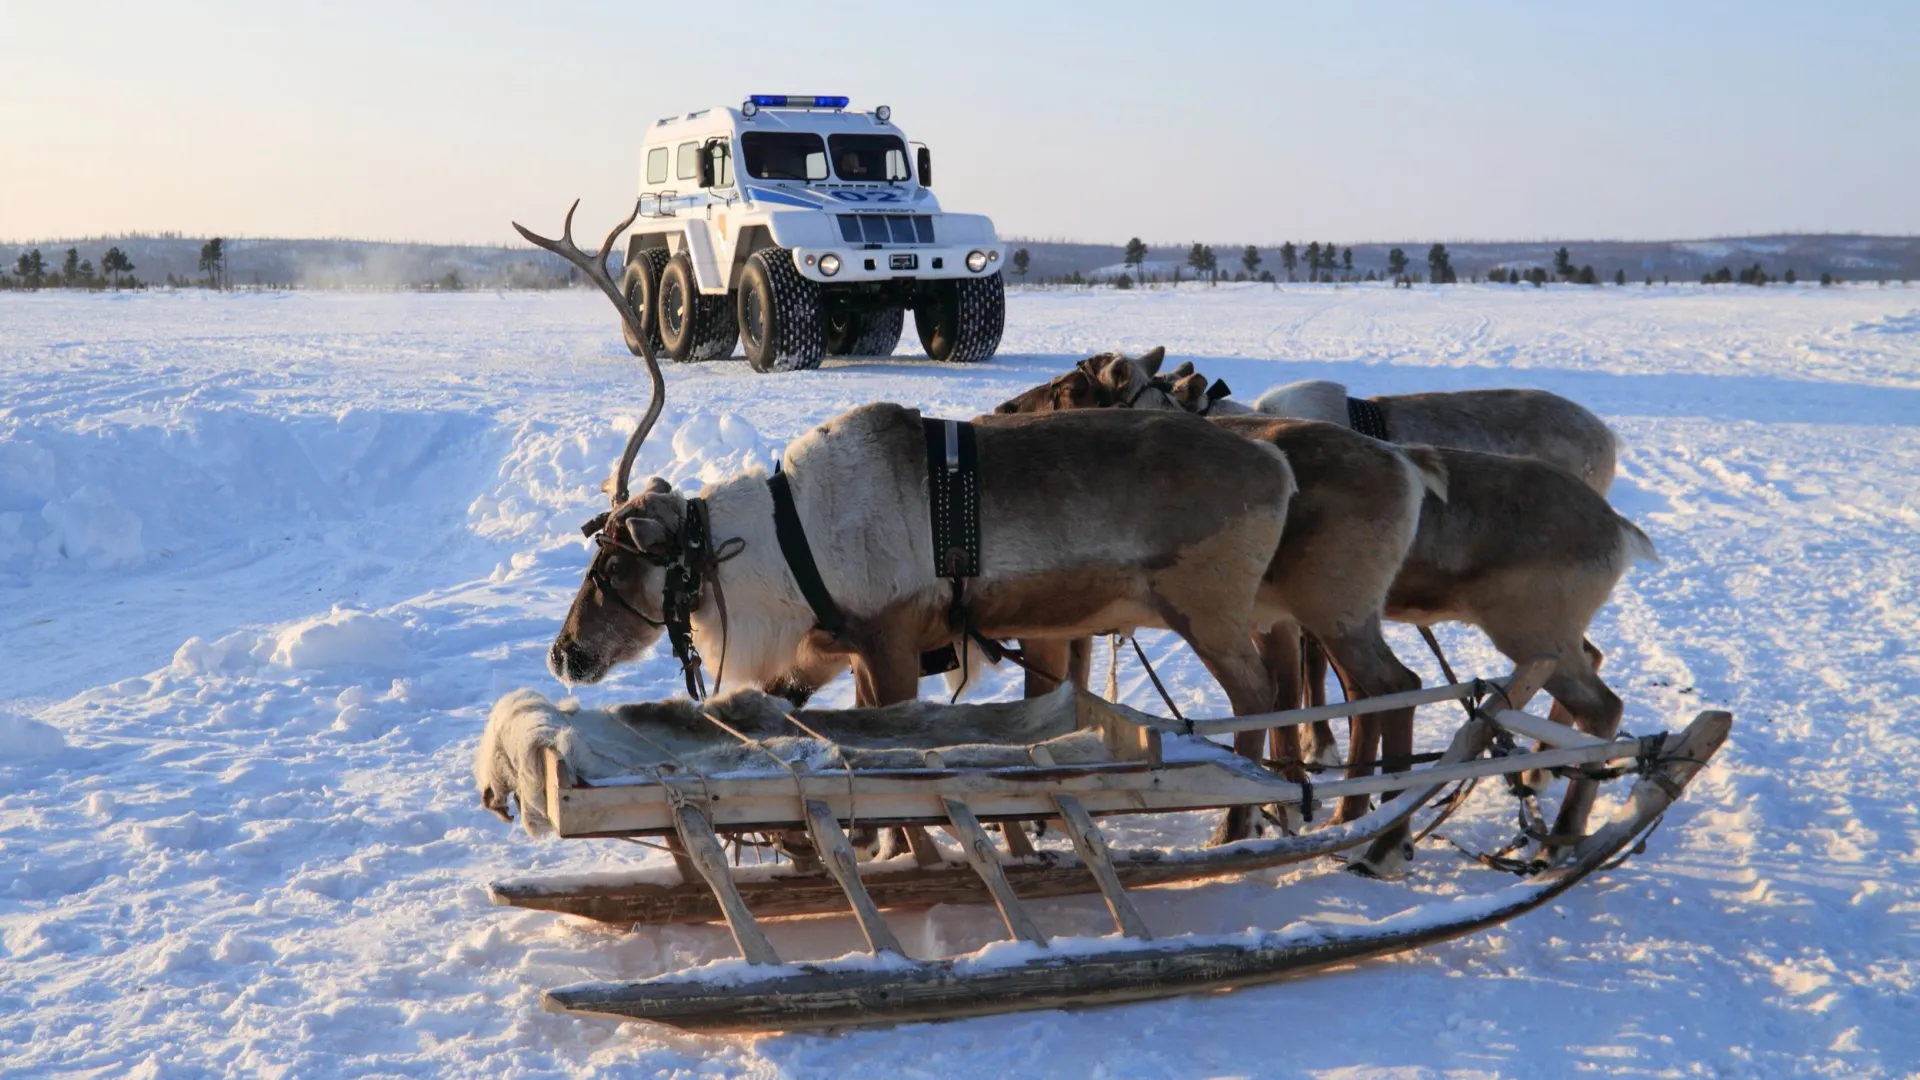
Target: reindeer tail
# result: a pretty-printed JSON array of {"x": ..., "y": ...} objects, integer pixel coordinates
[
  {"x": 1639, "y": 547},
  {"x": 1431, "y": 467}
]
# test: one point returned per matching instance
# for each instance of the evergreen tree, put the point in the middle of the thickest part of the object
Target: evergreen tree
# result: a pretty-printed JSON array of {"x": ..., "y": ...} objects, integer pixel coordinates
[
  {"x": 86, "y": 272},
  {"x": 114, "y": 264},
  {"x": 1439, "y": 265},
  {"x": 1288, "y": 257},
  {"x": 1563, "y": 264},
  {"x": 1538, "y": 275},
  {"x": 1587, "y": 276},
  {"x": 213, "y": 262},
  {"x": 1020, "y": 261},
  {"x": 32, "y": 269},
  {"x": 1135, "y": 256},
  {"x": 1346, "y": 261},
  {"x": 1825, "y": 279},
  {"x": 1250, "y": 258},
  {"x": 1396, "y": 264},
  {"x": 1212, "y": 265},
  {"x": 1791, "y": 277},
  {"x": 1619, "y": 277},
  {"x": 1513, "y": 276},
  {"x": 70, "y": 269},
  {"x": 1313, "y": 261}
]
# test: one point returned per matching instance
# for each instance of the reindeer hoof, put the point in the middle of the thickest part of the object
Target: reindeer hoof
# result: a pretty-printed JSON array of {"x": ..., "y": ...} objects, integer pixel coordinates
[
  {"x": 1378, "y": 865},
  {"x": 1235, "y": 824}
]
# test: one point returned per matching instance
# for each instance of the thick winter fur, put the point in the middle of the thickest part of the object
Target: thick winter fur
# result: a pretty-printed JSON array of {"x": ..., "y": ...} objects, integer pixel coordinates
[
  {"x": 1348, "y": 528},
  {"x": 1520, "y": 548},
  {"x": 1065, "y": 552},
  {"x": 677, "y": 734},
  {"x": 1521, "y": 423}
]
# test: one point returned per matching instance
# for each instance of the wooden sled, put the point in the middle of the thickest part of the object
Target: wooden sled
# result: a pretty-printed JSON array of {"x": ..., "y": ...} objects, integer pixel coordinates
[{"x": 1156, "y": 766}]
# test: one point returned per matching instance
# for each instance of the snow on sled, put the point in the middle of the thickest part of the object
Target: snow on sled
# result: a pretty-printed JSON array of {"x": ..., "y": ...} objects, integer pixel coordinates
[{"x": 695, "y": 774}]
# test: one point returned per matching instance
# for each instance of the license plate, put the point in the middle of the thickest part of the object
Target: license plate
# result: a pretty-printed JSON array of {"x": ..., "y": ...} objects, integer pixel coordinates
[{"x": 904, "y": 262}]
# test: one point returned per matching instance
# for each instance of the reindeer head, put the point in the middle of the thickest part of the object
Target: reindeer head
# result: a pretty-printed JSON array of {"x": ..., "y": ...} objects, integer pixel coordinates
[
  {"x": 1098, "y": 382},
  {"x": 619, "y": 611}
]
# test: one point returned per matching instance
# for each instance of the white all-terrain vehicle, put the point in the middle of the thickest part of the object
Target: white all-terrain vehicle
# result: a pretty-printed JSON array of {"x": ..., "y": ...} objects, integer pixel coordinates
[{"x": 803, "y": 230}]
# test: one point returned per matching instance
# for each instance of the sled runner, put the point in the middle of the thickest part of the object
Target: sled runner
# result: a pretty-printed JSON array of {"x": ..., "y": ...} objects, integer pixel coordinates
[{"x": 1122, "y": 762}]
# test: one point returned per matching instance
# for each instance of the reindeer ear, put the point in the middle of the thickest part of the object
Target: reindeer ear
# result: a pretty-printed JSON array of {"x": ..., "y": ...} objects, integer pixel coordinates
[
  {"x": 1119, "y": 375},
  {"x": 655, "y": 486},
  {"x": 1150, "y": 363},
  {"x": 1190, "y": 391},
  {"x": 647, "y": 533},
  {"x": 1185, "y": 369},
  {"x": 1097, "y": 365}
]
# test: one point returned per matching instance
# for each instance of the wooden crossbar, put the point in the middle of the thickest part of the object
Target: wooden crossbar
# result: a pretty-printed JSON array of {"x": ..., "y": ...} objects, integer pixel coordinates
[
  {"x": 703, "y": 848},
  {"x": 985, "y": 861},
  {"x": 1547, "y": 731},
  {"x": 1092, "y": 846},
  {"x": 1335, "y": 710},
  {"x": 836, "y": 854}
]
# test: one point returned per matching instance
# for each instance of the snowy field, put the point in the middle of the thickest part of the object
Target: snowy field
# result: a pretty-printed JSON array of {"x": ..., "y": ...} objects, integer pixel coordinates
[{"x": 266, "y": 560}]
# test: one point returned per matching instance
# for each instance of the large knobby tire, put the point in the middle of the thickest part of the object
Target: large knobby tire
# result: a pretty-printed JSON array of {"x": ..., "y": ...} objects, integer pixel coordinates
[
  {"x": 692, "y": 327},
  {"x": 962, "y": 321},
  {"x": 778, "y": 313},
  {"x": 865, "y": 333},
  {"x": 639, "y": 283}
]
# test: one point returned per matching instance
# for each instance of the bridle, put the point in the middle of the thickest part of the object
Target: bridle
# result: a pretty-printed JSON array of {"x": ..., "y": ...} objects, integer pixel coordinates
[{"x": 691, "y": 561}]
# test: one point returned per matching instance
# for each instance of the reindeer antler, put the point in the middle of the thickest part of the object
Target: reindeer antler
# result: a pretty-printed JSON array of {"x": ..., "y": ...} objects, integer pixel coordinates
[{"x": 595, "y": 267}]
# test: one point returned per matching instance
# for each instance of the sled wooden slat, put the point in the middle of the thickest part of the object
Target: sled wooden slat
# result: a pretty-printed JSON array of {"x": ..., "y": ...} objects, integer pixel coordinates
[
  {"x": 1056, "y": 875},
  {"x": 1548, "y": 732},
  {"x": 1092, "y": 848},
  {"x": 836, "y": 854},
  {"x": 830, "y": 994},
  {"x": 985, "y": 860},
  {"x": 1335, "y": 710},
  {"x": 711, "y": 861}
]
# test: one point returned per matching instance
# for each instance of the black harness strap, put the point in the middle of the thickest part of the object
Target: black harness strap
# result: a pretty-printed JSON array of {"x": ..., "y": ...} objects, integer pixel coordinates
[
  {"x": 953, "y": 498},
  {"x": 1364, "y": 417},
  {"x": 793, "y": 544}
]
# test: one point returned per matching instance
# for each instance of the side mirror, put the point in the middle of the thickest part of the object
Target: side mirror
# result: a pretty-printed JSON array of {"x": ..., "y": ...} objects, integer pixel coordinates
[
  {"x": 924, "y": 165},
  {"x": 706, "y": 165}
]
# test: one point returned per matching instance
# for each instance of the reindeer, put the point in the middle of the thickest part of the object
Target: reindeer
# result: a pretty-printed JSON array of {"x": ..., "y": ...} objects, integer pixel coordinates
[
  {"x": 1517, "y": 423},
  {"x": 1184, "y": 545},
  {"x": 1520, "y": 548},
  {"x": 1351, "y": 521}
]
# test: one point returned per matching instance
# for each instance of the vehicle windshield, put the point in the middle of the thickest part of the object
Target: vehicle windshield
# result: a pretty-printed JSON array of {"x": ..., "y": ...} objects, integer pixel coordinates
[
  {"x": 869, "y": 157},
  {"x": 784, "y": 155}
]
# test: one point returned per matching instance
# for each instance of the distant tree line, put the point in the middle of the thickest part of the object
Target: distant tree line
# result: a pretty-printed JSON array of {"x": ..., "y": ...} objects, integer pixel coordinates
[{"x": 31, "y": 272}]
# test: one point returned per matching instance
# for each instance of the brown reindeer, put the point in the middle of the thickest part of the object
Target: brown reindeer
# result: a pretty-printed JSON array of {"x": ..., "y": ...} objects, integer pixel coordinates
[
  {"x": 1521, "y": 549},
  {"x": 1347, "y": 531},
  {"x": 1183, "y": 545}
]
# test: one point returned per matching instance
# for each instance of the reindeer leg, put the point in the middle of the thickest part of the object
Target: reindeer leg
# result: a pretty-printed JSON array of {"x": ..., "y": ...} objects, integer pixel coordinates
[
  {"x": 1579, "y": 695},
  {"x": 1368, "y": 668},
  {"x": 1320, "y": 748},
  {"x": 1046, "y": 659},
  {"x": 1280, "y": 651},
  {"x": 1230, "y": 656},
  {"x": 886, "y": 676}
]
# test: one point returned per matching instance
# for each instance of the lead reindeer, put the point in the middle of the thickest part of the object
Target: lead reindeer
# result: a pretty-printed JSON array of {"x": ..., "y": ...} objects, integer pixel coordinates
[
  {"x": 1184, "y": 545},
  {"x": 1519, "y": 548}
]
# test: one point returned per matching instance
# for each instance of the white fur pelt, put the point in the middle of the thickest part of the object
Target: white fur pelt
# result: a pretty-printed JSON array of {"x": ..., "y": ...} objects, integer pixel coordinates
[
  {"x": 1313, "y": 399},
  {"x": 677, "y": 736}
]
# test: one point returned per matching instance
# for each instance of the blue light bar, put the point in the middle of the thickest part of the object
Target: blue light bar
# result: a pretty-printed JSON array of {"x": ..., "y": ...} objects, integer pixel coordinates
[{"x": 796, "y": 101}]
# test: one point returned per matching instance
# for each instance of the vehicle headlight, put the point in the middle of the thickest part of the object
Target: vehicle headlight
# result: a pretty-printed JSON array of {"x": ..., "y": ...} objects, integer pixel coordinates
[
  {"x": 976, "y": 261},
  {"x": 829, "y": 264}
]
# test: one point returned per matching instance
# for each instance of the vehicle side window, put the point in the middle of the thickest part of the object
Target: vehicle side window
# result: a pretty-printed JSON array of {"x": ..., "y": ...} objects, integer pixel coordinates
[
  {"x": 657, "y": 165},
  {"x": 723, "y": 163},
  {"x": 689, "y": 166}
]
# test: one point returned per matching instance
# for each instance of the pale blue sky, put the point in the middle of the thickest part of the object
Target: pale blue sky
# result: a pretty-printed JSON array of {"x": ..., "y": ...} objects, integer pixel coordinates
[{"x": 1172, "y": 121}]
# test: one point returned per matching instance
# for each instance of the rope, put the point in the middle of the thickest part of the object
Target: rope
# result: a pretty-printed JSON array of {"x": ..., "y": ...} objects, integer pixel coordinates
[{"x": 1157, "y": 684}]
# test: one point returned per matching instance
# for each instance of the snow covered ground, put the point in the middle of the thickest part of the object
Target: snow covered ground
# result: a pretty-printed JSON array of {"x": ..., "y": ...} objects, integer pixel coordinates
[{"x": 266, "y": 560}]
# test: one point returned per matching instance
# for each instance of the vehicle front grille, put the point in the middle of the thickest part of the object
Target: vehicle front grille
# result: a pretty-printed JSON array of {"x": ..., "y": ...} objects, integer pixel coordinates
[{"x": 886, "y": 228}]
